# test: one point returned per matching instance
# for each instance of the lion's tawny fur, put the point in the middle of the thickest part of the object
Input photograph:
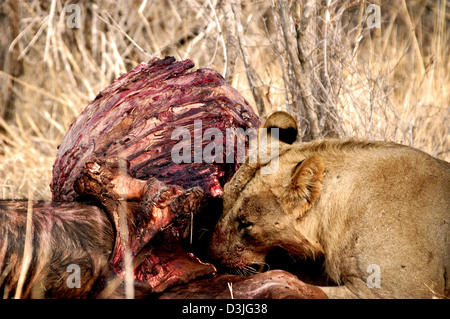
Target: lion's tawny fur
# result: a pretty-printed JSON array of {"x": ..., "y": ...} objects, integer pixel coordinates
[{"x": 361, "y": 205}]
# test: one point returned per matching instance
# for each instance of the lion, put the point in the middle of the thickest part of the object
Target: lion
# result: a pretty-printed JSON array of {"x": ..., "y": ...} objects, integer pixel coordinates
[{"x": 377, "y": 212}]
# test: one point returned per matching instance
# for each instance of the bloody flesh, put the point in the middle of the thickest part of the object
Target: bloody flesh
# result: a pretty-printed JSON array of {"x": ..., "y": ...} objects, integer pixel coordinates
[
  {"x": 135, "y": 116},
  {"x": 118, "y": 152}
]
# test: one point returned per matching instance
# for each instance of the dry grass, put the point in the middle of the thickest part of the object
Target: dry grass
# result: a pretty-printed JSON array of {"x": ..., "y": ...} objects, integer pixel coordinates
[{"x": 338, "y": 76}]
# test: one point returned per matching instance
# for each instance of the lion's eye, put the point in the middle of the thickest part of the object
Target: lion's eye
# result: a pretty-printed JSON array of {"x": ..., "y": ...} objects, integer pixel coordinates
[{"x": 244, "y": 224}]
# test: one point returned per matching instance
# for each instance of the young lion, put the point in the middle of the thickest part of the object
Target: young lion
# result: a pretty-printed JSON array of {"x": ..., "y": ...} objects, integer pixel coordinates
[{"x": 378, "y": 213}]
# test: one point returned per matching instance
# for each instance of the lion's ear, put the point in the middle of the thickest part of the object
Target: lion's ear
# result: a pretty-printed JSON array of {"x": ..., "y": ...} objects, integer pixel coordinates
[
  {"x": 286, "y": 123},
  {"x": 306, "y": 180}
]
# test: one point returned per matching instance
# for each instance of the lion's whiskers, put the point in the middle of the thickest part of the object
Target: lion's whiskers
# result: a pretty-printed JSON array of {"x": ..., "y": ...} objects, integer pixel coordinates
[{"x": 248, "y": 270}]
